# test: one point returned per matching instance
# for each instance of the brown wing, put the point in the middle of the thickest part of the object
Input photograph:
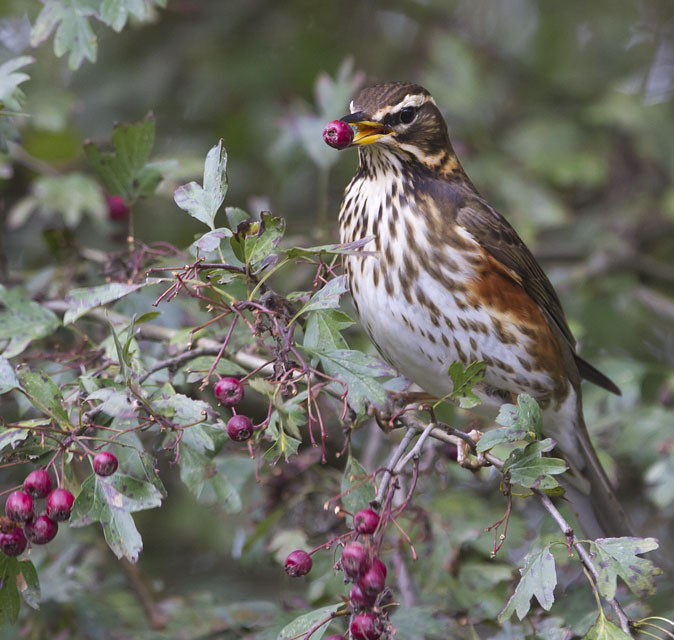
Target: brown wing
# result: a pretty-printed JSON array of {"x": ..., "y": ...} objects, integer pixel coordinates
[{"x": 502, "y": 243}]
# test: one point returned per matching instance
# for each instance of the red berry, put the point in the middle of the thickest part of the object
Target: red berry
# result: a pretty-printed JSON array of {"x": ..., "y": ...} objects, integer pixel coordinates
[
  {"x": 228, "y": 391},
  {"x": 354, "y": 560},
  {"x": 298, "y": 563},
  {"x": 240, "y": 428},
  {"x": 335, "y": 636},
  {"x": 360, "y": 599},
  {"x": 37, "y": 483},
  {"x": 366, "y": 521},
  {"x": 365, "y": 626},
  {"x": 105, "y": 463},
  {"x": 117, "y": 209},
  {"x": 13, "y": 543},
  {"x": 373, "y": 580},
  {"x": 41, "y": 530},
  {"x": 60, "y": 504},
  {"x": 19, "y": 506},
  {"x": 338, "y": 134}
]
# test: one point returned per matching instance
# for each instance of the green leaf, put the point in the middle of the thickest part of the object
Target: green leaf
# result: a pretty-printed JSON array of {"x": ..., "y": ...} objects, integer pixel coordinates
[
  {"x": 356, "y": 478},
  {"x": 520, "y": 422},
  {"x": 620, "y": 557},
  {"x": 125, "y": 171},
  {"x": 284, "y": 444},
  {"x": 604, "y": 629},
  {"x": 9, "y": 437},
  {"x": 204, "y": 202},
  {"x": 211, "y": 241},
  {"x": 305, "y": 622},
  {"x": 74, "y": 34},
  {"x": 255, "y": 240},
  {"x": 323, "y": 330},
  {"x": 659, "y": 477},
  {"x": 529, "y": 468},
  {"x": 43, "y": 394},
  {"x": 29, "y": 584},
  {"x": 8, "y": 379},
  {"x": 73, "y": 196},
  {"x": 22, "y": 321},
  {"x": 11, "y": 97},
  {"x": 111, "y": 501},
  {"x": 326, "y": 297},
  {"x": 325, "y": 250},
  {"x": 9, "y": 593},
  {"x": 115, "y": 13},
  {"x": 81, "y": 301},
  {"x": 358, "y": 371},
  {"x": 183, "y": 411},
  {"x": 538, "y": 579},
  {"x": 463, "y": 382}
]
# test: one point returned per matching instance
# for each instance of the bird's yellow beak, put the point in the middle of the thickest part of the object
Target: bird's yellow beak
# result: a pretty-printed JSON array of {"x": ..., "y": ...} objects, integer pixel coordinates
[{"x": 368, "y": 131}]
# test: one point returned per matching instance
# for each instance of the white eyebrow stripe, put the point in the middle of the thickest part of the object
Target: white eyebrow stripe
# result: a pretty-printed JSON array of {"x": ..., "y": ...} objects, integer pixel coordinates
[{"x": 410, "y": 100}]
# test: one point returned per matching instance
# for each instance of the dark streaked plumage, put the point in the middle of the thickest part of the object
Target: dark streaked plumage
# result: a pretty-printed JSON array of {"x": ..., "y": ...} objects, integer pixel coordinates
[{"x": 451, "y": 279}]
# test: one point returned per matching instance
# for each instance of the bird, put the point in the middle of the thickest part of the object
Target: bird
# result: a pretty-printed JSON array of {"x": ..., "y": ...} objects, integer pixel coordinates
[{"x": 446, "y": 278}]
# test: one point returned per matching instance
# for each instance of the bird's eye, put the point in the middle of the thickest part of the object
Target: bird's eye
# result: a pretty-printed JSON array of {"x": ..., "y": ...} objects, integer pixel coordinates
[{"x": 407, "y": 114}]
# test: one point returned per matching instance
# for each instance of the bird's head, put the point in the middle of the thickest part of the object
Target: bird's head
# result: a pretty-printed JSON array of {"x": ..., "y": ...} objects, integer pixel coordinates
[{"x": 400, "y": 118}]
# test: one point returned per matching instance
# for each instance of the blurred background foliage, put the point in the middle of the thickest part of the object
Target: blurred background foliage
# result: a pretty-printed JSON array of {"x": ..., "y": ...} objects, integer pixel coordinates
[{"x": 562, "y": 115}]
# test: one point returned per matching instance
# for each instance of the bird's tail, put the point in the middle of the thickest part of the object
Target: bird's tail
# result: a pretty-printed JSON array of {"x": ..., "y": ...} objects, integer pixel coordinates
[{"x": 588, "y": 489}]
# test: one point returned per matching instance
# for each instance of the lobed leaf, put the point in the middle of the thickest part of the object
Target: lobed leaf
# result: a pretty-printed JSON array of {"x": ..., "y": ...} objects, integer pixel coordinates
[
  {"x": 620, "y": 557},
  {"x": 304, "y": 623},
  {"x": 463, "y": 381},
  {"x": 538, "y": 580},
  {"x": 529, "y": 468},
  {"x": 520, "y": 422},
  {"x": 357, "y": 488}
]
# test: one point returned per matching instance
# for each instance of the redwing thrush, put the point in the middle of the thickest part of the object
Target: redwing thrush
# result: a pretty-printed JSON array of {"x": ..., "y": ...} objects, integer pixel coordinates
[{"x": 450, "y": 280}]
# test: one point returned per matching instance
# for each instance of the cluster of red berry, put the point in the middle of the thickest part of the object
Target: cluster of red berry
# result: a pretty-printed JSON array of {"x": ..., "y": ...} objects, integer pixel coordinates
[
  {"x": 363, "y": 568},
  {"x": 229, "y": 392},
  {"x": 23, "y": 525}
]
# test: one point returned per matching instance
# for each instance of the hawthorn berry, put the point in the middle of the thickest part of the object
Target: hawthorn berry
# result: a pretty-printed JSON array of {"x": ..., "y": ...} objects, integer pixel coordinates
[
  {"x": 117, "y": 209},
  {"x": 365, "y": 626},
  {"x": 298, "y": 563},
  {"x": 19, "y": 506},
  {"x": 366, "y": 521},
  {"x": 59, "y": 504},
  {"x": 361, "y": 599},
  {"x": 338, "y": 134},
  {"x": 37, "y": 484},
  {"x": 105, "y": 463},
  {"x": 41, "y": 530},
  {"x": 228, "y": 391},
  {"x": 373, "y": 580},
  {"x": 13, "y": 543},
  {"x": 240, "y": 428},
  {"x": 354, "y": 560}
]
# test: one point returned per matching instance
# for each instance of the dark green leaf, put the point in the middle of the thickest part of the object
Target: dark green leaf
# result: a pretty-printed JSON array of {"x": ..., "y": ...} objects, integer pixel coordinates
[
  {"x": 9, "y": 593},
  {"x": 520, "y": 422},
  {"x": 29, "y": 584},
  {"x": 327, "y": 297},
  {"x": 125, "y": 171},
  {"x": 305, "y": 622},
  {"x": 8, "y": 379},
  {"x": 463, "y": 382},
  {"x": 538, "y": 579},
  {"x": 111, "y": 501},
  {"x": 529, "y": 468},
  {"x": 620, "y": 557},
  {"x": 255, "y": 240},
  {"x": 81, "y": 301},
  {"x": 43, "y": 394},
  {"x": 22, "y": 321},
  {"x": 323, "y": 330},
  {"x": 358, "y": 371},
  {"x": 357, "y": 488},
  {"x": 204, "y": 202},
  {"x": 604, "y": 629}
]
